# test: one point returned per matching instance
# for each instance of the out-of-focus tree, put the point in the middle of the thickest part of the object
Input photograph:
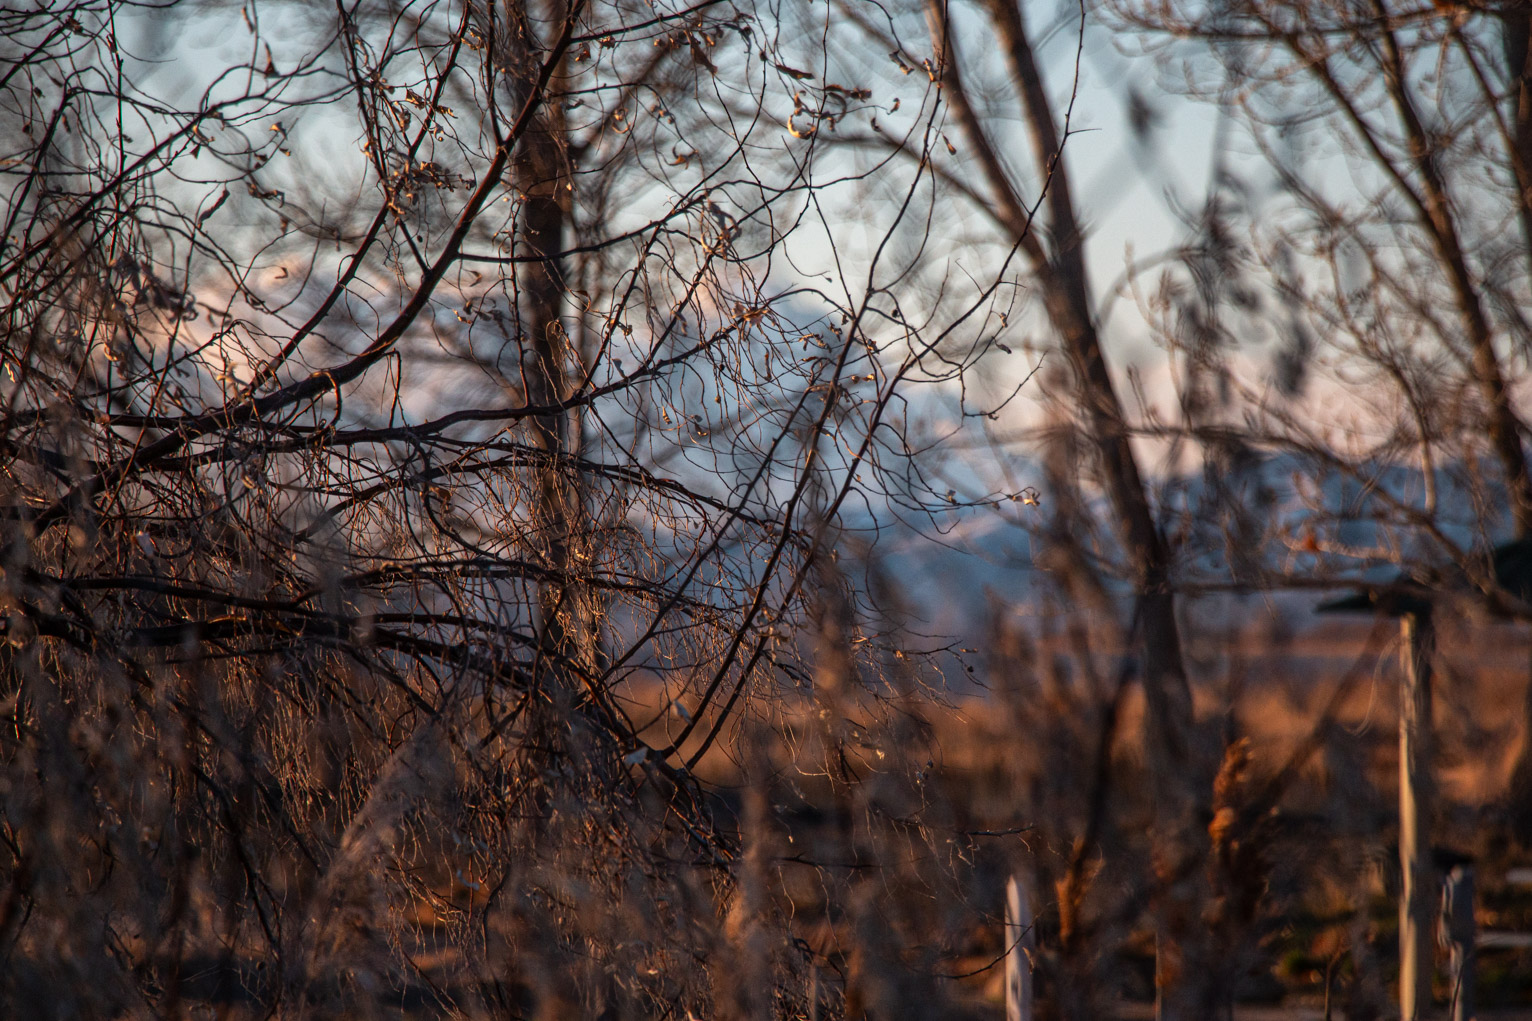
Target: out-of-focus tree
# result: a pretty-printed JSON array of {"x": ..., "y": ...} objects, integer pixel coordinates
[
  {"x": 1389, "y": 258},
  {"x": 1398, "y": 136},
  {"x": 1392, "y": 254},
  {"x": 1004, "y": 127},
  {"x": 1410, "y": 252}
]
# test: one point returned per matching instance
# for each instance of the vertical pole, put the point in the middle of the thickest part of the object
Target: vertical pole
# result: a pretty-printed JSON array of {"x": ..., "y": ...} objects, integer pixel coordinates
[
  {"x": 1457, "y": 914},
  {"x": 1416, "y": 904},
  {"x": 1020, "y": 941}
]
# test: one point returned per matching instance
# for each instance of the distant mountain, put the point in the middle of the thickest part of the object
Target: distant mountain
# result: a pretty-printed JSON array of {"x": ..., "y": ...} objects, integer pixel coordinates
[{"x": 1242, "y": 523}]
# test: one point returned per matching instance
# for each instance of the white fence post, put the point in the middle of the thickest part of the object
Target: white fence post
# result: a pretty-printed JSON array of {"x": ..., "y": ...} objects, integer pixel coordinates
[
  {"x": 1458, "y": 920},
  {"x": 1020, "y": 942}
]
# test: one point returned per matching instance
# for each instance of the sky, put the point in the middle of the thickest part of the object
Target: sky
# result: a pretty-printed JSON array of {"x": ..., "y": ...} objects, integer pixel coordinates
[{"x": 1128, "y": 186}]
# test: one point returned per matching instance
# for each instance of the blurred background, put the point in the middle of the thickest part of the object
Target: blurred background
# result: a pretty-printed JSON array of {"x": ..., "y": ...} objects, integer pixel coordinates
[{"x": 590, "y": 508}]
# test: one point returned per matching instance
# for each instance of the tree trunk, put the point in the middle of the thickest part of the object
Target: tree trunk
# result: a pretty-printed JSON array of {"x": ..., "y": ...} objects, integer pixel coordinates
[
  {"x": 1066, "y": 297},
  {"x": 1517, "y": 40},
  {"x": 1517, "y": 34},
  {"x": 543, "y": 178},
  {"x": 1182, "y": 776}
]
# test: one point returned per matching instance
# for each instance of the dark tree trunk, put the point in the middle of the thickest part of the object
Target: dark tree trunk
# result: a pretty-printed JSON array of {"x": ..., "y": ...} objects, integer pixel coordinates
[{"x": 1182, "y": 773}]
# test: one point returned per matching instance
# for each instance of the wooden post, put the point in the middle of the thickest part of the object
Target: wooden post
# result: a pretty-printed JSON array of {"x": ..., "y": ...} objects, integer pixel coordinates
[
  {"x": 1457, "y": 918},
  {"x": 1020, "y": 941},
  {"x": 1417, "y": 903}
]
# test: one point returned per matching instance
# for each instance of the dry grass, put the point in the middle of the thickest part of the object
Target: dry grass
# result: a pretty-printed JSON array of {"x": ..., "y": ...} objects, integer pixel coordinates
[{"x": 968, "y": 787}]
